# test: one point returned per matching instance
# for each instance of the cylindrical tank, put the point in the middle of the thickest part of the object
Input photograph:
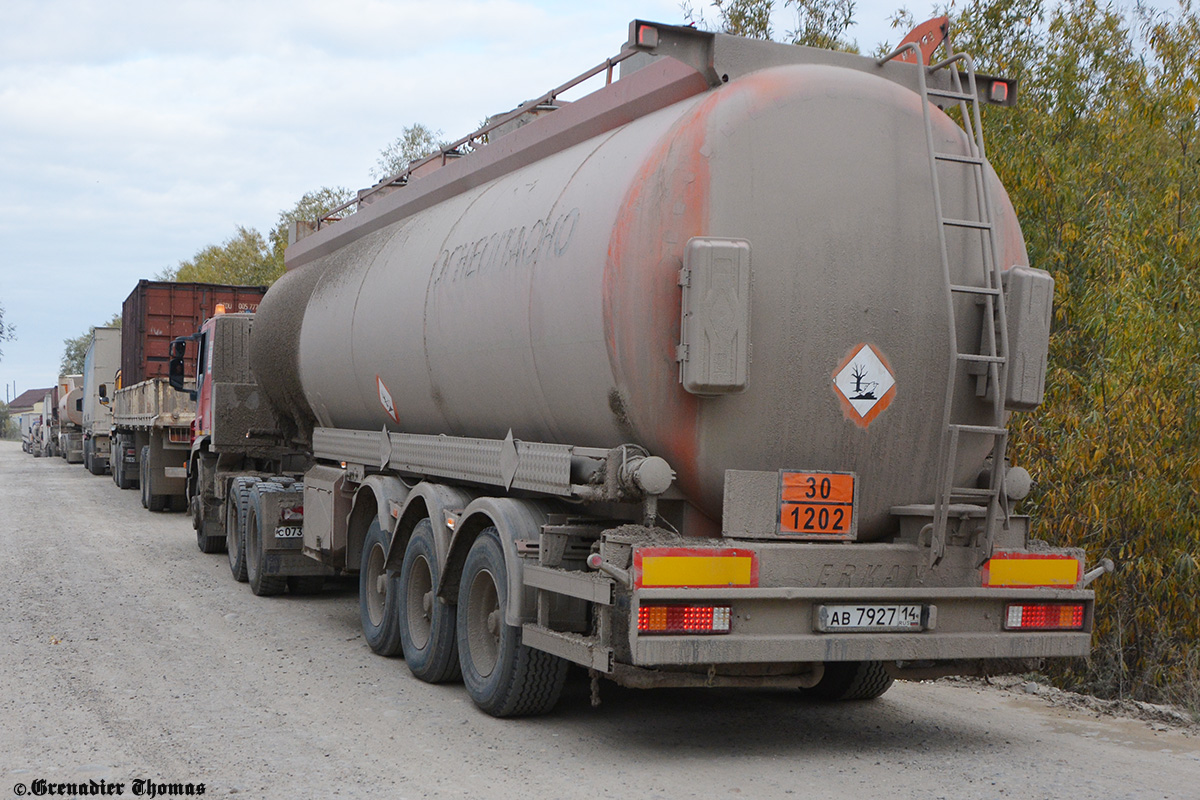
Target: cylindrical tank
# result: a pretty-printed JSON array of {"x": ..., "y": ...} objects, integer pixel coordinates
[
  {"x": 547, "y": 300},
  {"x": 67, "y": 410}
]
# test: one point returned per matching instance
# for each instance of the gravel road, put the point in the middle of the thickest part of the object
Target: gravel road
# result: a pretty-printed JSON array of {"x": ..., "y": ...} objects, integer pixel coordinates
[{"x": 126, "y": 654}]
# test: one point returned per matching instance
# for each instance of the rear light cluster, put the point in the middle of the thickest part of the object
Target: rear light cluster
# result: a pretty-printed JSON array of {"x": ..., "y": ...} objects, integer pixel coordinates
[
  {"x": 1044, "y": 617},
  {"x": 293, "y": 514},
  {"x": 683, "y": 619}
]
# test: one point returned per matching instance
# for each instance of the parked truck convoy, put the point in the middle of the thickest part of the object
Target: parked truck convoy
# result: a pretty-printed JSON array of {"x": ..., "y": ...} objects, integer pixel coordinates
[
  {"x": 700, "y": 380},
  {"x": 152, "y": 423}
]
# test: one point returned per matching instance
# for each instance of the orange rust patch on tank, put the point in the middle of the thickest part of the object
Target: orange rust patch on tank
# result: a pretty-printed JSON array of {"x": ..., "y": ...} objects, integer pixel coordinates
[{"x": 668, "y": 204}]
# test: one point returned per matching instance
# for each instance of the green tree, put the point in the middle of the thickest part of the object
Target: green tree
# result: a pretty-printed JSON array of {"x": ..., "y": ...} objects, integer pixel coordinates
[
  {"x": 819, "y": 23},
  {"x": 749, "y": 18},
  {"x": 312, "y": 206},
  {"x": 243, "y": 259},
  {"x": 414, "y": 143},
  {"x": 823, "y": 23},
  {"x": 75, "y": 349}
]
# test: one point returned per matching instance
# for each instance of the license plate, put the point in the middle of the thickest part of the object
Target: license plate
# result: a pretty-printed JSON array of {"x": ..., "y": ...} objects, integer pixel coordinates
[
  {"x": 289, "y": 532},
  {"x": 872, "y": 617}
]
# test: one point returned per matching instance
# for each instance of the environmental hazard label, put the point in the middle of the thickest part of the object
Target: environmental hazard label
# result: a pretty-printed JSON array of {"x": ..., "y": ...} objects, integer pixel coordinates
[
  {"x": 385, "y": 400},
  {"x": 865, "y": 384}
]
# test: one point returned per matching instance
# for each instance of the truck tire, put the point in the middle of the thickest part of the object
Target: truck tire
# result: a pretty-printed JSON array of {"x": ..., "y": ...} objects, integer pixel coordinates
[
  {"x": 851, "y": 680},
  {"x": 210, "y": 536},
  {"x": 154, "y": 502},
  {"x": 261, "y": 584},
  {"x": 87, "y": 454},
  {"x": 208, "y": 517},
  {"x": 235, "y": 525},
  {"x": 504, "y": 677},
  {"x": 426, "y": 623},
  {"x": 120, "y": 471},
  {"x": 377, "y": 593},
  {"x": 94, "y": 465}
]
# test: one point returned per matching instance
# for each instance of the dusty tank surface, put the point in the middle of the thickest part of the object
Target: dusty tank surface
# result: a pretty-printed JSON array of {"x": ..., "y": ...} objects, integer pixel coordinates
[{"x": 548, "y": 300}]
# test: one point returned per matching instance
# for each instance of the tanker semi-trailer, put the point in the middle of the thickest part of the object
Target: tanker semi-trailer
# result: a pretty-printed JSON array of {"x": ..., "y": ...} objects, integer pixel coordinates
[
  {"x": 700, "y": 380},
  {"x": 69, "y": 418},
  {"x": 152, "y": 424}
]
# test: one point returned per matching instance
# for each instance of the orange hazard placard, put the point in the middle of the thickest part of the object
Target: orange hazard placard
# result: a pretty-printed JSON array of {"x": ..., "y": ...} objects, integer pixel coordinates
[{"x": 817, "y": 505}]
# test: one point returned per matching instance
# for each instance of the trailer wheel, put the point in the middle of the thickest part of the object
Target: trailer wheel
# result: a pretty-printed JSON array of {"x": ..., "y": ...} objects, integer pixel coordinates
[
  {"x": 377, "y": 595},
  {"x": 426, "y": 623},
  {"x": 235, "y": 525},
  {"x": 504, "y": 677},
  {"x": 852, "y": 680},
  {"x": 154, "y": 502},
  {"x": 261, "y": 584}
]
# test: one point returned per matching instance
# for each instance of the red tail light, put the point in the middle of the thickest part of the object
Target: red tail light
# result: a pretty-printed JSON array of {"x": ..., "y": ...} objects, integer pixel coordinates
[
  {"x": 1044, "y": 617},
  {"x": 293, "y": 514},
  {"x": 683, "y": 619}
]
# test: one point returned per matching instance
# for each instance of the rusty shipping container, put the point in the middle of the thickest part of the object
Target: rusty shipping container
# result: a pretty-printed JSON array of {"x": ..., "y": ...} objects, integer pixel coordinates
[{"x": 158, "y": 311}]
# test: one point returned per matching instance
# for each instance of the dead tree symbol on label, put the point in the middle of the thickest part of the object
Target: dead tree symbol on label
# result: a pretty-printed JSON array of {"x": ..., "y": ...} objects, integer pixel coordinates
[{"x": 859, "y": 374}]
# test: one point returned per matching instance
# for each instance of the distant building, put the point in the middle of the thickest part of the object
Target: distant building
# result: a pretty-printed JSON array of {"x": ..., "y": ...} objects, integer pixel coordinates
[{"x": 28, "y": 401}]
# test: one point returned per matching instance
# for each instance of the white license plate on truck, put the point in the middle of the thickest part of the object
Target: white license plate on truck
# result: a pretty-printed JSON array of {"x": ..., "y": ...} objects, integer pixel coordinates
[
  {"x": 872, "y": 617},
  {"x": 289, "y": 532}
]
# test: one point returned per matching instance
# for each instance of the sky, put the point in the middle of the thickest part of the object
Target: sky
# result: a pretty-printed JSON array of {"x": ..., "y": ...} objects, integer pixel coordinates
[{"x": 133, "y": 134}]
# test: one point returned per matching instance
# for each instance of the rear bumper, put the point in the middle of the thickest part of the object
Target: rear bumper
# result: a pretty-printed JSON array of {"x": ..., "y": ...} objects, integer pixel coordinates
[{"x": 779, "y": 626}]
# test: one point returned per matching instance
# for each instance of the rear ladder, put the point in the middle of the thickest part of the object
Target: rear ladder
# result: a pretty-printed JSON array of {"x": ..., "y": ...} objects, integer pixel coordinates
[{"x": 990, "y": 363}]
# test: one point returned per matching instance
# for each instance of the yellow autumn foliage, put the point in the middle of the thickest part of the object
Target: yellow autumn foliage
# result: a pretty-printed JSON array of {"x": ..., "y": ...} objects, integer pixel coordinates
[{"x": 1101, "y": 161}]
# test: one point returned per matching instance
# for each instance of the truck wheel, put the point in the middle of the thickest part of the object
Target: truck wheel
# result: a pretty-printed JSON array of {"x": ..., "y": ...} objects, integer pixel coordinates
[
  {"x": 154, "y": 502},
  {"x": 210, "y": 536},
  {"x": 504, "y": 677},
  {"x": 235, "y": 525},
  {"x": 851, "y": 680},
  {"x": 261, "y": 584},
  {"x": 426, "y": 623},
  {"x": 87, "y": 454},
  {"x": 377, "y": 595},
  {"x": 121, "y": 472},
  {"x": 95, "y": 465}
]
